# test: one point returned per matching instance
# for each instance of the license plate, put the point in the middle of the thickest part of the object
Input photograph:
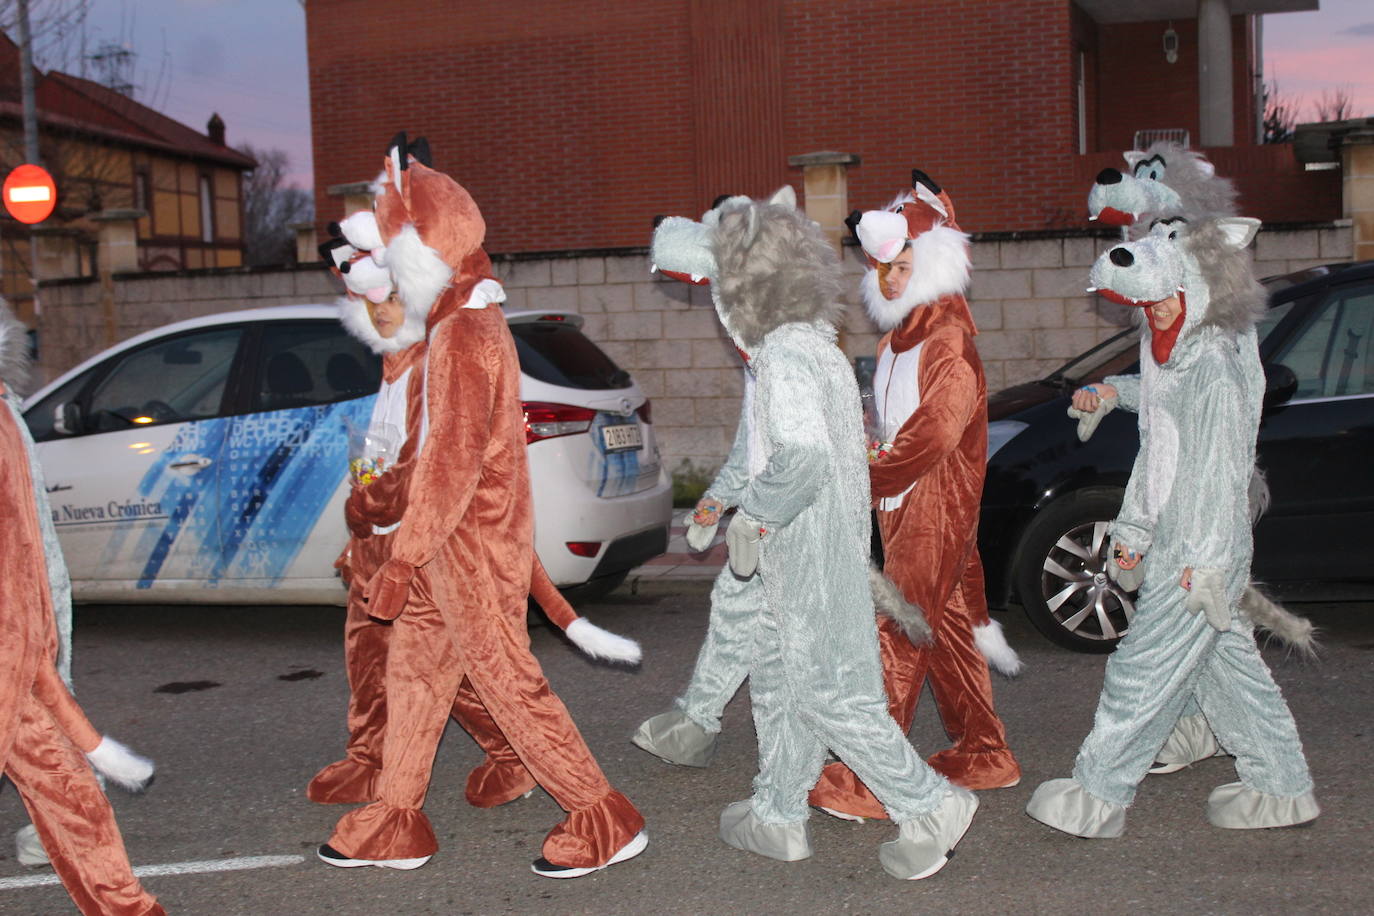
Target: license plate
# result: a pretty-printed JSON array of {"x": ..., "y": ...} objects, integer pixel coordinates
[{"x": 622, "y": 438}]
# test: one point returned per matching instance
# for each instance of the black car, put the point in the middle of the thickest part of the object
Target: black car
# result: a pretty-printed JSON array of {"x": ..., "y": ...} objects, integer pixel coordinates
[{"x": 1048, "y": 497}]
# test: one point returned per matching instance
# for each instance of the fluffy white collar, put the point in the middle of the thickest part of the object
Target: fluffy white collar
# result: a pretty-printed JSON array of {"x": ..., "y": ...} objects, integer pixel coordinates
[{"x": 940, "y": 266}]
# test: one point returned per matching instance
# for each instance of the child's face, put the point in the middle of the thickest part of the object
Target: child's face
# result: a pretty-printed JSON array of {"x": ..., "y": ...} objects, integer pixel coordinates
[
  {"x": 894, "y": 277},
  {"x": 1163, "y": 314},
  {"x": 387, "y": 316}
]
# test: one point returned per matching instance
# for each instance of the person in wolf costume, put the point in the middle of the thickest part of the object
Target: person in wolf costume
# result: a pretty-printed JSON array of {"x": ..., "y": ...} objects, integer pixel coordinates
[
  {"x": 799, "y": 539},
  {"x": 686, "y": 734},
  {"x": 1170, "y": 183},
  {"x": 926, "y": 476},
  {"x": 1184, "y": 532},
  {"x": 457, "y": 578},
  {"x": 48, "y": 748},
  {"x": 372, "y": 313}
]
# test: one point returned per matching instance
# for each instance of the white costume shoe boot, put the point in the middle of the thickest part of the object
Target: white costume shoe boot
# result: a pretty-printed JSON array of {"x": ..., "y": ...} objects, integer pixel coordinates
[
  {"x": 924, "y": 844},
  {"x": 1236, "y": 806},
  {"x": 675, "y": 738},
  {"x": 1190, "y": 742},
  {"x": 741, "y": 828},
  {"x": 1065, "y": 805}
]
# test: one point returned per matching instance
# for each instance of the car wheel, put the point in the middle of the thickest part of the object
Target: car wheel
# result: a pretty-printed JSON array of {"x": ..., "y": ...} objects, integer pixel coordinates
[{"x": 1061, "y": 574}]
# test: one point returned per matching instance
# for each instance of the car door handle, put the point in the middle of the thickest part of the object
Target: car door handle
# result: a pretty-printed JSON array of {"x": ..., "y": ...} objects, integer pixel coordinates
[{"x": 192, "y": 462}]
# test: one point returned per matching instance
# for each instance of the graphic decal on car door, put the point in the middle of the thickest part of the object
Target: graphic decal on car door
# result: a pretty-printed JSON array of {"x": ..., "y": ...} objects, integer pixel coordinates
[{"x": 250, "y": 517}]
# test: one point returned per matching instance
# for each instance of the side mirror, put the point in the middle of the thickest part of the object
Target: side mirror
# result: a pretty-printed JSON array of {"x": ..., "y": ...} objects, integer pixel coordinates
[
  {"x": 66, "y": 418},
  {"x": 1280, "y": 384}
]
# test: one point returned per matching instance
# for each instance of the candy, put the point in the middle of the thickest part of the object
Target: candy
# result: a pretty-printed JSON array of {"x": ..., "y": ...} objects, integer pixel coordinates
[{"x": 365, "y": 471}]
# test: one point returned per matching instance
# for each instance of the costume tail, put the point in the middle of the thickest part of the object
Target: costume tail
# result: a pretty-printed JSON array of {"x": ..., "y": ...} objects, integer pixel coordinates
[
  {"x": 993, "y": 644},
  {"x": 889, "y": 602},
  {"x": 110, "y": 758},
  {"x": 1288, "y": 628},
  {"x": 587, "y": 636}
]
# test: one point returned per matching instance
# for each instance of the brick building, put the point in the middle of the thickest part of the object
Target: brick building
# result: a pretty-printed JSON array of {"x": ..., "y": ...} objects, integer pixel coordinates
[
  {"x": 109, "y": 154},
  {"x": 574, "y": 122}
]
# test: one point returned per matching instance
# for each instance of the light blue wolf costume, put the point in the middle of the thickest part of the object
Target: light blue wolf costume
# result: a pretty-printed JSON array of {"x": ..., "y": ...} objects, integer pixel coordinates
[
  {"x": 1170, "y": 183},
  {"x": 1186, "y": 507},
  {"x": 799, "y": 542}
]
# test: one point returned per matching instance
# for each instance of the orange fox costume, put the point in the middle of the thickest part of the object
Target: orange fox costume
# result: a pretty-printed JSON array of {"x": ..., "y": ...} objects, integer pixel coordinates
[
  {"x": 44, "y": 736},
  {"x": 927, "y": 487},
  {"x": 459, "y": 572}
]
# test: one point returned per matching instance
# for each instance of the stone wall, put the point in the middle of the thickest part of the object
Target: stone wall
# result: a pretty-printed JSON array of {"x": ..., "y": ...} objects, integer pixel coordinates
[{"x": 1027, "y": 298}]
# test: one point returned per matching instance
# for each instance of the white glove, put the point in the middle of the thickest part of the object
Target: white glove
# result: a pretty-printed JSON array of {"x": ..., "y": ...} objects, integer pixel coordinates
[
  {"x": 1088, "y": 420},
  {"x": 1208, "y": 594},
  {"x": 699, "y": 537},
  {"x": 742, "y": 541}
]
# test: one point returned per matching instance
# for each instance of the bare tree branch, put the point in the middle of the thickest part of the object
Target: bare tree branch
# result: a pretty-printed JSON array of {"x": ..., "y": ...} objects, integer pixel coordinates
[{"x": 269, "y": 209}]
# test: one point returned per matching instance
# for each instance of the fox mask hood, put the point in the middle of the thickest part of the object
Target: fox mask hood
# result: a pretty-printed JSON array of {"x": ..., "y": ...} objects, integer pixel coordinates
[
  {"x": 920, "y": 218},
  {"x": 432, "y": 230}
]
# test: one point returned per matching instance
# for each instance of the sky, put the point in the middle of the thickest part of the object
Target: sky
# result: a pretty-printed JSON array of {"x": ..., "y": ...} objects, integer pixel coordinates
[{"x": 245, "y": 59}]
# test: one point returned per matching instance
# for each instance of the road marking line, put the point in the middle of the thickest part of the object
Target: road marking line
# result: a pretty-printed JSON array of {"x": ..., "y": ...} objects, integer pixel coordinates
[{"x": 174, "y": 868}]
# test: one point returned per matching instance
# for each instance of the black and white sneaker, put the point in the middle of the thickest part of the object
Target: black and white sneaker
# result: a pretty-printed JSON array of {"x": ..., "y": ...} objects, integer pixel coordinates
[
  {"x": 331, "y": 856},
  {"x": 631, "y": 849}
]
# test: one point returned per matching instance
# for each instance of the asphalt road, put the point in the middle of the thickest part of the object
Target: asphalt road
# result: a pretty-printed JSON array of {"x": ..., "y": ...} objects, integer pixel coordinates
[{"x": 260, "y": 707}]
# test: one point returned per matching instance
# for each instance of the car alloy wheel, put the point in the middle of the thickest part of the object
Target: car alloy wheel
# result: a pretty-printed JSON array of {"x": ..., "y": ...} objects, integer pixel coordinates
[
  {"x": 1060, "y": 572},
  {"x": 1077, "y": 590}
]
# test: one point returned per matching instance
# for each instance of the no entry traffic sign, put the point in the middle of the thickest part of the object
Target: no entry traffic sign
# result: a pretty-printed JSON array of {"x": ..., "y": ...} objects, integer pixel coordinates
[{"x": 30, "y": 194}]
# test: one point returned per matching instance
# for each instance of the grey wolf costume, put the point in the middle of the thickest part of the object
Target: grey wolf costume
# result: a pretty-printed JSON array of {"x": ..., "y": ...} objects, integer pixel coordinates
[
  {"x": 1186, "y": 508},
  {"x": 799, "y": 542}
]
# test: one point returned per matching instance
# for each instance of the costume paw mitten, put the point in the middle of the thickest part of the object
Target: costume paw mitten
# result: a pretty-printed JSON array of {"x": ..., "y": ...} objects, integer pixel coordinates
[
  {"x": 1088, "y": 420},
  {"x": 1128, "y": 579},
  {"x": 742, "y": 541},
  {"x": 699, "y": 537},
  {"x": 1208, "y": 594},
  {"x": 388, "y": 589}
]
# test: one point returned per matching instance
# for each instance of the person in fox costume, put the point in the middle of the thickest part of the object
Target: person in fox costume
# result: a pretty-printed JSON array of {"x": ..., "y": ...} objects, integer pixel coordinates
[
  {"x": 47, "y": 746},
  {"x": 372, "y": 312},
  {"x": 459, "y": 571},
  {"x": 926, "y": 474}
]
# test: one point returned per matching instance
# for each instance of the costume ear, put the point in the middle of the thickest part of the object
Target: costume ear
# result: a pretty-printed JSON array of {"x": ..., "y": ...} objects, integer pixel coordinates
[
  {"x": 1206, "y": 167},
  {"x": 1133, "y": 157},
  {"x": 720, "y": 199},
  {"x": 751, "y": 228},
  {"x": 420, "y": 150},
  {"x": 919, "y": 177},
  {"x": 785, "y": 197},
  {"x": 396, "y": 152},
  {"x": 1239, "y": 230},
  {"x": 852, "y": 221}
]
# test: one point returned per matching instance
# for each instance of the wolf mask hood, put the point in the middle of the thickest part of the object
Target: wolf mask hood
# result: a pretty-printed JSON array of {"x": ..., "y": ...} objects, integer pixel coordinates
[
  {"x": 1204, "y": 264},
  {"x": 739, "y": 247},
  {"x": 1165, "y": 180},
  {"x": 920, "y": 218}
]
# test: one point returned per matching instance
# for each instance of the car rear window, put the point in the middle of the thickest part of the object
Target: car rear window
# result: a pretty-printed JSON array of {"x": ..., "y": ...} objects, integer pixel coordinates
[{"x": 559, "y": 354}]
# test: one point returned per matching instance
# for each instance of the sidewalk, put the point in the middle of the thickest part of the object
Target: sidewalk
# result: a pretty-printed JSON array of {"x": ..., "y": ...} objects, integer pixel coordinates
[{"x": 681, "y": 563}]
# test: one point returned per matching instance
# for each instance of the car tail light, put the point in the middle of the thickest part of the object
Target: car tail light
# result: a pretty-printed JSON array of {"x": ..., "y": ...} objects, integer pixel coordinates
[
  {"x": 645, "y": 411},
  {"x": 549, "y": 421},
  {"x": 584, "y": 548}
]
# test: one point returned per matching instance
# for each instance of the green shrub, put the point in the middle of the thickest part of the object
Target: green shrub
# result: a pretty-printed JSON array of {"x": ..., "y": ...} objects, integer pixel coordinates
[{"x": 689, "y": 482}]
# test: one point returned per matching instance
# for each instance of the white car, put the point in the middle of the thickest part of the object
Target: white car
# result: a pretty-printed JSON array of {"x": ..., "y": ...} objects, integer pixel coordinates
[{"x": 204, "y": 462}]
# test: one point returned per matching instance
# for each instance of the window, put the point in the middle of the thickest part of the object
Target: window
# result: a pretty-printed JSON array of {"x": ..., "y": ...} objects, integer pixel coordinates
[
  {"x": 560, "y": 355},
  {"x": 172, "y": 380},
  {"x": 207, "y": 210},
  {"x": 303, "y": 364},
  {"x": 141, "y": 191},
  {"x": 1331, "y": 355}
]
